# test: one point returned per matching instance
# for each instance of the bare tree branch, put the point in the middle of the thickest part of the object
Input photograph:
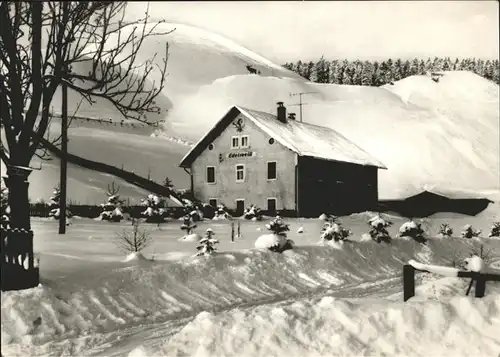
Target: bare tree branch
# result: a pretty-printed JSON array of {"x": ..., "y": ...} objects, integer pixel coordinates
[{"x": 38, "y": 40}]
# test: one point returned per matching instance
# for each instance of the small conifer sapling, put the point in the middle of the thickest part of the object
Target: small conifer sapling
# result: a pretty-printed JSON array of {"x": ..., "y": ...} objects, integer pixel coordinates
[
  {"x": 378, "y": 229},
  {"x": 207, "y": 244},
  {"x": 495, "y": 230},
  {"x": 469, "y": 232}
]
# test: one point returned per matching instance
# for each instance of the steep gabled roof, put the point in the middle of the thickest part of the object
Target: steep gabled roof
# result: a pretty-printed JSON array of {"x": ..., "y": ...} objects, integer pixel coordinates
[{"x": 302, "y": 138}]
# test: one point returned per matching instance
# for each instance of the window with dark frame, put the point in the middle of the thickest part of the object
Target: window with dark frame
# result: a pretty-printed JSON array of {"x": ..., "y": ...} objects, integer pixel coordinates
[
  {"x": 244, "y": 141},
  {"x": 240, "y": 173},
  {"x": 210, "y": 174},
  {"x": 271, "y": 170},
  {"x": 213, "y": 202},
  {"x": 235, "y": 142}
]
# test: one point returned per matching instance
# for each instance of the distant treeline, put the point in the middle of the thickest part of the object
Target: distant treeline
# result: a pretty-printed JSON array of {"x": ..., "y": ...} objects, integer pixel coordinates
[{"x": 374, "y": 73}]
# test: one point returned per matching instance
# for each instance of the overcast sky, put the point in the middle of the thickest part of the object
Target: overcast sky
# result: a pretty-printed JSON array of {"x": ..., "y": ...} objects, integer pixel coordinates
[{"x": 289, "y": 31}]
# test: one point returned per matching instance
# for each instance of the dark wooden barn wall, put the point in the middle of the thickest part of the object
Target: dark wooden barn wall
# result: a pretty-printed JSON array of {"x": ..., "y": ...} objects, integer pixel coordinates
[{"x": 335, "y": 187}]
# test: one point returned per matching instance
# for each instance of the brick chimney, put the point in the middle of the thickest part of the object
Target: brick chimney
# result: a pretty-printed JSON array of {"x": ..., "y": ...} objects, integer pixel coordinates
[
  {"x": 281, "y": 112},
  {"x": 291, "y": 116}
]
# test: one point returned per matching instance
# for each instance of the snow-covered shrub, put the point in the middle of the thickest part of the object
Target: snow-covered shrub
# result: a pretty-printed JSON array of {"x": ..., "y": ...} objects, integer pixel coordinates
[
  {"x": 326, "y": 217},
  {"x": 221, "y": 213},
  {"x": 486, "y": 257},
  {"x": 54, "y": 206},
  {"x": 4, "y": 208},
  {"x": 469, "y": 232},
  {"x": 208, "y": 211},
  {"x": 378, "y": 229},
  {"x": 445, "y": 230},
  {"x": 112, "y": 208},
  {"x": 276, "y": 241},
  {"x": 253, "y": 213},
  {"x": 155, "y": 211},
  {"x": 207, "y": 244},
  {"x": 413, "y": 230},
  {"x": 133, "y": 241},
  {"x": 193, "y": 209},
  {"x": 188, "y": 224},
  {"x": 333, "y": 230},
  {"x": 495, "y": 230}
]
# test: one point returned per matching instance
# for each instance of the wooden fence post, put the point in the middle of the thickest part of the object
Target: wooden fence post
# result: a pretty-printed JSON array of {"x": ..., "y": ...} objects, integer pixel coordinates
[
  {"x": 408, "y": 282},
  {"x": 232, "y": 231},
  {"x": 480, "y": 286}
]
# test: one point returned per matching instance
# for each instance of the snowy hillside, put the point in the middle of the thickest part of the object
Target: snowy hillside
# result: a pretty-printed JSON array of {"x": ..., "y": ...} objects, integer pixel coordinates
[
  {"x": 427, "y": 133},
  {"x": 196, "y": 57}
]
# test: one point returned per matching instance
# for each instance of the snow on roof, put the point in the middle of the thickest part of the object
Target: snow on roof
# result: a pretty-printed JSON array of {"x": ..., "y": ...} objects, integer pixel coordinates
[
  {"x": 303, "y": 138},
  {"x": 452, "y": 193}
]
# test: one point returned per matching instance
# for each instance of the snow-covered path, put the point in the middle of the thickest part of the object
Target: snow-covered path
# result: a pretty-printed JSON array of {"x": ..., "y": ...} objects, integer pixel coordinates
[{"x": 153, "y": 336}]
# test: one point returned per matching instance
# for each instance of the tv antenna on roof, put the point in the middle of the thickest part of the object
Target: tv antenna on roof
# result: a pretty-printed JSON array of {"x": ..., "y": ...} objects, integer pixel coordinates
[{"x": 300, "y": 104}]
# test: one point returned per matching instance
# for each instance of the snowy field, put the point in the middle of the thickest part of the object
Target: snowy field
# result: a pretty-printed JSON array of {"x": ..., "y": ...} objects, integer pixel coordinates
[{"x": 312, "y": 301}]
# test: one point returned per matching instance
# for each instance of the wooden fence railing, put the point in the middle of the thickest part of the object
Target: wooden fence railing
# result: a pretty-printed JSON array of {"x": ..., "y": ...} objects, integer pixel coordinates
[
  {"x": 409, "y": 270},
  {"x": 18, "y": 267}
]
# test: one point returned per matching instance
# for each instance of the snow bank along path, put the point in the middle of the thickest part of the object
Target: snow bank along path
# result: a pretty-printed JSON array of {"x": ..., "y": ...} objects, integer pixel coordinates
[{"x": 108, "y": 297}]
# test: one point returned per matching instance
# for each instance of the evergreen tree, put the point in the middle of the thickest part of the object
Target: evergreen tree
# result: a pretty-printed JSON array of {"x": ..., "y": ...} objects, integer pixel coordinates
[
  {"x": 335, "y": 68},
  {"x": 374, "y": 74},
  {"x": 323, "y": 71},
  {"x": 414, "y": 67},
  {"x": 299, "y": 68},
  {"x": 367, "y": 74},
  {"x": 488, "y": 71},
  {"x": 397, "y": 69},
  {"x": 308, "y": 69},
  {"x": 406, "y": 69}
]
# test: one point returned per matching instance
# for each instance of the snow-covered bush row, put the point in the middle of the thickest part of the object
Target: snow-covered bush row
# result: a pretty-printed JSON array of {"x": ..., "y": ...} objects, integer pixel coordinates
[
  {"x": 252, "y": 213},
  {"x": 156, "y": 209},
  {"x": 54, "y": 206},
  {"x": 333, "y": 231},
  {"x": 495, "y": 230},
  {"x": 193, "y": 209},
  {"x": 221, "y": 213},
  {"x": 469, "y": 232},
  {"x": 111, "y": 210},
  {"x": 378, "y": 229},
  {"x": 445, "y": 230},
  {"x": 277, "y": 240},
  {"x": 413, "y": 230}
]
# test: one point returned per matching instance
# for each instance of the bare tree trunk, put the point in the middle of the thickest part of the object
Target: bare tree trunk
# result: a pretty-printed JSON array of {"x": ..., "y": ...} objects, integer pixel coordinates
[{"x": 18, "y": 184}]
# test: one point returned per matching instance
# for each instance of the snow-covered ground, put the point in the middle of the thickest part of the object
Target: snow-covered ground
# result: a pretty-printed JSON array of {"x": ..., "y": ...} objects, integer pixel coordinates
[{"x": 314, "y": 300}]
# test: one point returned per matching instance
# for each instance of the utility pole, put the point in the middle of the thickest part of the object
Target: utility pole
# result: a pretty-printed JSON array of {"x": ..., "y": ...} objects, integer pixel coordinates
[
  {"x": 300, "y": 101},
  {"x": 64, "y": 155}
]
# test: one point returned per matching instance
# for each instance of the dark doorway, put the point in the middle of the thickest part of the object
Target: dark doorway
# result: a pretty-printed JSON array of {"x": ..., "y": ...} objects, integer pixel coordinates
[
  {"x": 240, "y": 207},
  {"x": 271, "y": 206},
  {"x": 213, "y": 202}
]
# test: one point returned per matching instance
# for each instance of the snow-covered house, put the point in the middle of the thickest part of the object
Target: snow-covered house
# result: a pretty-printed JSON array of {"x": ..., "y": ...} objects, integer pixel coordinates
[{"x": 278, "y": 163}]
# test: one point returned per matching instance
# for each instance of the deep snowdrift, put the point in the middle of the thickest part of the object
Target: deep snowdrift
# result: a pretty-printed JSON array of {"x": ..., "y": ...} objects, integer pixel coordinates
[
  {"x": 79, "y": 311},
  {"x": 329, "y": 326},
  {"x": 443, "y": 134}
]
